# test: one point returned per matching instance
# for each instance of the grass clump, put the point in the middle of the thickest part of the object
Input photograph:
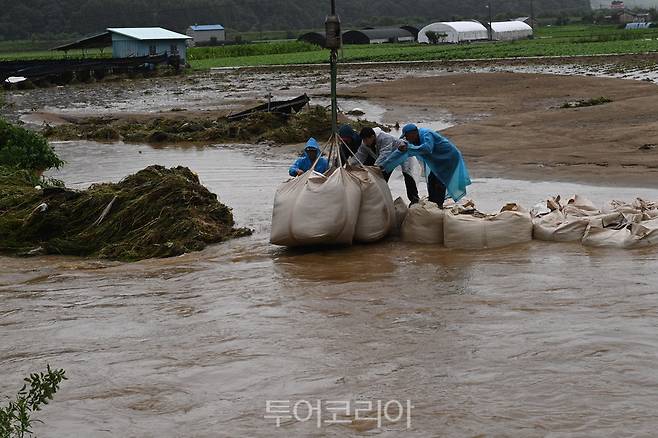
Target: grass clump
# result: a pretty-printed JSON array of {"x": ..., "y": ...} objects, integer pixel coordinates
[
  {"x": 279, "y": 128},
  {"x": 157, "y": 212},
  {"x": 586, "y": 102}
]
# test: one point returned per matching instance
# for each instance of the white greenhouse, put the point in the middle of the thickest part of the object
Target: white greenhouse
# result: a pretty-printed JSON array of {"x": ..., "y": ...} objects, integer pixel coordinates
[
  {"x": 510, "y": 30},
  {"x": 453, "y": 32}
]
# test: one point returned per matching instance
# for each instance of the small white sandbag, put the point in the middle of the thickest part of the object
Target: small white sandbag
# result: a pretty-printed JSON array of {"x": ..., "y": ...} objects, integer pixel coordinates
[
  {"x": 465, "y": 227},
  {"x": 423, "y": 223}
]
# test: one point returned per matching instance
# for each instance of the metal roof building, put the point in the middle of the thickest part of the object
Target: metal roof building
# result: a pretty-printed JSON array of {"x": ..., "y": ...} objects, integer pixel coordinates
[
  {"x": 510, "y": 30},
  {"x": 132, "y": 42},
  {"x": 206, "y": 33},
  {"x": 454, "y": 32},
  {"x": 128, "y": 42},
  {"x": 378, "y": 36}
]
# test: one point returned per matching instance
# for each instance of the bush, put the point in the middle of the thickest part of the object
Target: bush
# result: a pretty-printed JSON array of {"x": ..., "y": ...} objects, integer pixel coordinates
[
  {"x": 15, "y": 418},
  {"x": 24, "y": 149}
]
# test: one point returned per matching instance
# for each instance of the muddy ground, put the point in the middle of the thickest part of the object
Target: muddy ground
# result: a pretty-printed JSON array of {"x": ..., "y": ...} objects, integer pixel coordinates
[{"x": 523, "y": 131}]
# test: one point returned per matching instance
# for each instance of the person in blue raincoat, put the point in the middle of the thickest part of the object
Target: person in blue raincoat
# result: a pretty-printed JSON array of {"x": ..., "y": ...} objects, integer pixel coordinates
[
  {"x": 305, "y": 162},
  {"x": 447, "y": 176},
  {"x": 350, "y": 141}
]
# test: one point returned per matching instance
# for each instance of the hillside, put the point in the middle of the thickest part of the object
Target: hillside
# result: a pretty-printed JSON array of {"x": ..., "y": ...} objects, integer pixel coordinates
[{"x": 31, "y": 18}]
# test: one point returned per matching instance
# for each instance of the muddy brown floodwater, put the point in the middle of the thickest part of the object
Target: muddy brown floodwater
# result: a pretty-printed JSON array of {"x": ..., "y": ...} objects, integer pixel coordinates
[{"x": 535, "y": 340}]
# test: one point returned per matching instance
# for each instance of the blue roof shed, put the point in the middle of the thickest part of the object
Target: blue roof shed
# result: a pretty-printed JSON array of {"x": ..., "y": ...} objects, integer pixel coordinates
[
  {"x": 205, "y": 27},
  {"x": 130, "y": 42}
]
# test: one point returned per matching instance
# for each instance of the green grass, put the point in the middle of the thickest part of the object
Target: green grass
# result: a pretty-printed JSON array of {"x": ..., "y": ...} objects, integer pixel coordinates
[
  {"x": 581, "y": 44},
  {"x": 243, "y": 50}
]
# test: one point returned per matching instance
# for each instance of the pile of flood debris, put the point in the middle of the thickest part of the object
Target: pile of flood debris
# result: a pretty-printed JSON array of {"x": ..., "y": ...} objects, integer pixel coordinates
[
  {"x": 167, "y": 128},
  {"x": 157, "y": 212}
]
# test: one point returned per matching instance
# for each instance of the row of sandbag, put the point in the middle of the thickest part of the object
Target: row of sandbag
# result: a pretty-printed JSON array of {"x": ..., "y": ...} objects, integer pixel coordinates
[
  {"x": 339, "y": 207},
  {"x": 618, "y": 224},
  {"x": 463, "y": 226}
]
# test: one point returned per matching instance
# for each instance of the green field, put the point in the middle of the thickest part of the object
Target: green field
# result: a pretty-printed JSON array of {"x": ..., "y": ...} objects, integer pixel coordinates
[{"x": 572, "y": 40}]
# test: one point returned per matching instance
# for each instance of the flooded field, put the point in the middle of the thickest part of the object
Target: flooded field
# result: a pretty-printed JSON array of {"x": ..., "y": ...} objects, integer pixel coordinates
[
  {"x": 229, "y": 89},
  {"x": 534, "y": 340}
]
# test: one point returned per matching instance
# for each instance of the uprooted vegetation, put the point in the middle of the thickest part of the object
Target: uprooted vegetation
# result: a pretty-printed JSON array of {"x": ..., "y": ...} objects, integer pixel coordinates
[
  {"x": 157, "y": 212},
  {"x": 278, "y": 128},
  {"x": 586, "y": 102}
]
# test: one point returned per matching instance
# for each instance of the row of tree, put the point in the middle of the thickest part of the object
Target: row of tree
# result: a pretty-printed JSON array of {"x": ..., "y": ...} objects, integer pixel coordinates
[{"x": 29, "y": 18}]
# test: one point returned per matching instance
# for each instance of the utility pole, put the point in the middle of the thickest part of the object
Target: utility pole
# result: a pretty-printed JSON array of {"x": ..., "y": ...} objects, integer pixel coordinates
[
  {"x": 532, "y": 14},
  {"x": 490, "y": 21},
  {"x": 333, "y": 36}
]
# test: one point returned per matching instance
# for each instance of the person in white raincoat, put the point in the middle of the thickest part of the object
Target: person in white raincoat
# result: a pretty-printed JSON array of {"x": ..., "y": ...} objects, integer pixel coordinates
[{"x": 377, "y": 145}]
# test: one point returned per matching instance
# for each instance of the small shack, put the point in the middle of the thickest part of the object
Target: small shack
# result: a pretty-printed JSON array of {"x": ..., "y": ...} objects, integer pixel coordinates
[
  {"x": 134, "y": 42},
  {"x": 206, "y": 34},
  {"x": 130, "y": 42},
  {"x": 452, "y": 32},
  {"x": 378, "y": 36},
  {"x": 510, "y": 30}
]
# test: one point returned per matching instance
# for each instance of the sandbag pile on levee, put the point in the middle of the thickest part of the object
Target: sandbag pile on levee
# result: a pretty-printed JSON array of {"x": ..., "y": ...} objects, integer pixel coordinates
[
  {"x": 568, "y": 222},
  {"x": 465, "y": 227},
  {"x": 317, "y": 209},
  {"x": 636, "y": 226},
  {"x": 344, "y": 205},
  {"x": 617, "y": 225},
  {"x": 157, "y": 212}
]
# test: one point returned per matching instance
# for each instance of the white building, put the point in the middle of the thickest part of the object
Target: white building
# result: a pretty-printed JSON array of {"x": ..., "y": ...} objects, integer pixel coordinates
[
  {"x": 206, "y": 33},
  {"x": 510, "y": 30},
  {"x": 454, "y": 32}
]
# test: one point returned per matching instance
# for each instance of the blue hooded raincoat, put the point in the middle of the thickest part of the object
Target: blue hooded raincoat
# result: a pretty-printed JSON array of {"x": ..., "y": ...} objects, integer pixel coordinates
[
  {"x": 441, "y": 157},
  {"x": 304, "y": 163}
]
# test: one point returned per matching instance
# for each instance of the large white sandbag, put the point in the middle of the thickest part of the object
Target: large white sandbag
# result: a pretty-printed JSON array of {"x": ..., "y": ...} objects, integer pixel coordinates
[
  {"x": 637, "y": 211},
  {"x": 467, "y": 228},
  {"x": 580, "y": 206},
  {"x": 401, "y": 211},
  {"x": 314, "y": 209},
  {"x": 376, "y": 214},
  {"x": 633, "y": 235},
  {"x": 423, "y": 223},
  {"x": 557, "y": 227}
]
